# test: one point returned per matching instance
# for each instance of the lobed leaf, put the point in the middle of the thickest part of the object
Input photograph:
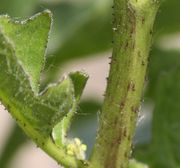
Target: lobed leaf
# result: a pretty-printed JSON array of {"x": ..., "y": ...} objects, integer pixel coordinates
[{"x": 22, "y": 52}]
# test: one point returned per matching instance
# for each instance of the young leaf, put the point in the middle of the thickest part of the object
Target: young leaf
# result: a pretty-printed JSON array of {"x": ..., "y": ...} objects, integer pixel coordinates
[
  {"x": 22, "y": 50},
  {"x": 59, "y": 132},
  {"x": 29, "y": 42}
]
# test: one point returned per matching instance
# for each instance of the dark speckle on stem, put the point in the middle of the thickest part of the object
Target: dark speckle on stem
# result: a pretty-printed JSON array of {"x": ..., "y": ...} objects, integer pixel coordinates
[
  {"x": 151, "y": 32},
  {"x": 125, "y": 132},
  {"x": 122, "y": 104},
  {"x": 126, "y": 45},
  {"x": 143, "y": 20},
  {"x": 143, "y": 63},
  {"x": 135, "y": 109},
  {"x": 131, "y": 86}
]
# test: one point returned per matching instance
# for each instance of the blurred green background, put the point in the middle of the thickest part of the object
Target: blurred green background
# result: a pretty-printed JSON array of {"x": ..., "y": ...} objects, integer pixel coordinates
[{"x": 81, "y": 34}]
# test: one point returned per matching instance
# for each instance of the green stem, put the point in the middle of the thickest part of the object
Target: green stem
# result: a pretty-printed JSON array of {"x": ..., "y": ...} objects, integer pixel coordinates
[
  {"x": 46, "y": 143},
  {"x": 133, "y": 24}
]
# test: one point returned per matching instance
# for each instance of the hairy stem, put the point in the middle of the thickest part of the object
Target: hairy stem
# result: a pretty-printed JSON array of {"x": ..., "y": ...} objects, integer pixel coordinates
[
  {"x": 44, "y": 142},
  {"x": 132, "y": 36}
]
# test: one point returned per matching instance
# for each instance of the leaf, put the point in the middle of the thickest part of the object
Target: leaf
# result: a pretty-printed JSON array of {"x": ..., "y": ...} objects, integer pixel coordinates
[
  {"x": 166, "y": 126},
  {"x": 167, "y": 20},
  {"x": 164, "y": 151},
  {"x": 22, "y": 50},
  {"x": 94, "y": 33},
  {"x": 78, "y": 21},
  {"x": 29, "y": 48},
  {"x": 157, "y": 66},
  {"x": 18, "y": 8},
  {"x": 60, "y": 130},
  {"x": 79, "y": 31}
]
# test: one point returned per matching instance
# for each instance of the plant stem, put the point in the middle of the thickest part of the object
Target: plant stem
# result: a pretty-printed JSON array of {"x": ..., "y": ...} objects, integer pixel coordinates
[
  {"x": 132, "y": 36},
  {"x": 44, "y": 142}
]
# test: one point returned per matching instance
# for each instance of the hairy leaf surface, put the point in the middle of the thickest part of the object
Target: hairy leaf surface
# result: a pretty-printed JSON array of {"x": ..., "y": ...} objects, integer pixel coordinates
[{"x": 22, "y": 52}]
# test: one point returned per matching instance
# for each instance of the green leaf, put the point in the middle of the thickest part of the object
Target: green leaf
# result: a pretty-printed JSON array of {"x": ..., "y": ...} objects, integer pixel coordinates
[
  {"x": 18, "y": 8},
  {"x": 29, "y": 48},
  {"x": 79, "y": 31},
  {"x": 164, "y": 151},
  {"x": 166, "y": 124},
  {"x": 88, "y": 30},
  {"x": 22, "y": 51},
  {"x": 168, "y": 20},
  {"x": 157, "y": 66},
  {"x": 79, "y": 80},
  {"x": 60, "y": 131}
]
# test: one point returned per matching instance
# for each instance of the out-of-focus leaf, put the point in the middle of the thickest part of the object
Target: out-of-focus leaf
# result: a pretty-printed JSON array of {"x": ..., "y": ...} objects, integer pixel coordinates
[
  {"x": 86, "y": 29},
  {"x": 16, "y": 139},
  {"x": 160, "y": 61},
  {"x": 164, "y": 151},
  {"x": 92, "y": 38},
  {"x": 74, "y": 21},
  {"x": 18, "y": 8},
  {"x": 80, "y": 31},
  {"x": 168, "y": 20}
]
